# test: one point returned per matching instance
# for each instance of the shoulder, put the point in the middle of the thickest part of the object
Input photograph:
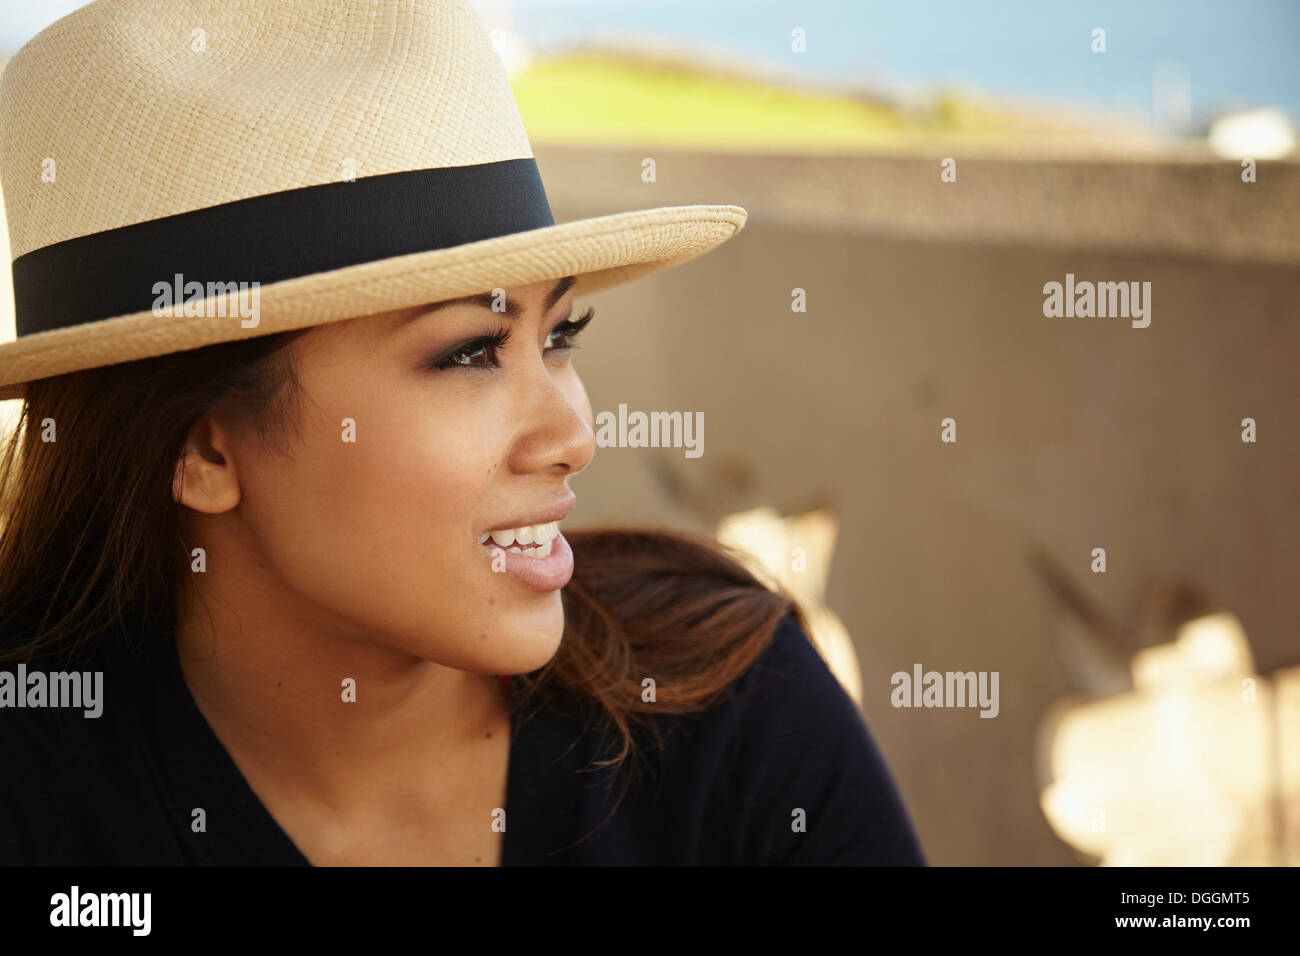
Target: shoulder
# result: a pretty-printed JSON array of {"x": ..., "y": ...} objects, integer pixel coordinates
[
  {"x": 807, "y": 776},
  {"x": 61, "y": 751},
  {"x": 31, "y": 740},
  {"x": 32, "y": 733}
]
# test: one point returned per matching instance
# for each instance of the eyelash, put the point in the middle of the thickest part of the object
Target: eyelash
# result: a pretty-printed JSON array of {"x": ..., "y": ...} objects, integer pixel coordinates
[{"x": 567, "y": 330}]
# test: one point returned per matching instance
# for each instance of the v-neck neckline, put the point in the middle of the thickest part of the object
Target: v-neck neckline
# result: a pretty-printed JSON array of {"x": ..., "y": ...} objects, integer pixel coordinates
[{"x": 192, "y": 753}]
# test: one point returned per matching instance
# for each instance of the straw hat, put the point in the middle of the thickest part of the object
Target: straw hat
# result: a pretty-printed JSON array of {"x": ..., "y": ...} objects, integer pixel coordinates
[{"x": 178, "y": 173}]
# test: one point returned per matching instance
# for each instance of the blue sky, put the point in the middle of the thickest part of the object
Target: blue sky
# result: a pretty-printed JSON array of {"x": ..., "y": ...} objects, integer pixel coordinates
[{"x": 1228, "y": 53}]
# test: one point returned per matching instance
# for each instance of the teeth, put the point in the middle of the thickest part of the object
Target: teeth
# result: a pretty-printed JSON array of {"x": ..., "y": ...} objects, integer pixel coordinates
[
  {"x": 542, "y": 550},
  {"x": 539, "y": 534}
]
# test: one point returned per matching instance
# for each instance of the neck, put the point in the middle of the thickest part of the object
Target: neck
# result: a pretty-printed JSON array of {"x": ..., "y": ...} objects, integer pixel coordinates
[{"x": 319, "y": 706}]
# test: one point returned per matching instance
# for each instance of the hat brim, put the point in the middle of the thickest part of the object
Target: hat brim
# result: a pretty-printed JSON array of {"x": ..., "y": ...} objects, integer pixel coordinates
[{"x": 600, "y": 252}]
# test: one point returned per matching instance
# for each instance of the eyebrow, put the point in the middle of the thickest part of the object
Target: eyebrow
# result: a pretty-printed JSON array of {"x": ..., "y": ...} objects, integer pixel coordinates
[{"x": 487, "y": 300}]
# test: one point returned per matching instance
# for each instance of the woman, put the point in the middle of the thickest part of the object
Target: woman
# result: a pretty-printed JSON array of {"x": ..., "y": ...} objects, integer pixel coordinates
[{"x": 299, "y": 535}]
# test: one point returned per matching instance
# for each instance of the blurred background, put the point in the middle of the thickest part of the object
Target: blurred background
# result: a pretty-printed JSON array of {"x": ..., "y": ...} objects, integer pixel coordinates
[{"x": 897, "y": 433}]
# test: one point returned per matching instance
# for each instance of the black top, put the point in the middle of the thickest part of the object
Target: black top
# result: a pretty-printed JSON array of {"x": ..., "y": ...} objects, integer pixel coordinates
[{"x": 121, "y": 788}]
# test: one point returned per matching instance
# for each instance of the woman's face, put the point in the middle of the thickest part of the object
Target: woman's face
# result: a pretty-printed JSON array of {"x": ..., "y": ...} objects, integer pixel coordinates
[{"x": 371, "y": 526}]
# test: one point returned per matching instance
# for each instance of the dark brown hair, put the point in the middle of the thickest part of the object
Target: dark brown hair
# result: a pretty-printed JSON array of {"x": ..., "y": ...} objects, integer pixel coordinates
[{"x": 92, "y": 545}]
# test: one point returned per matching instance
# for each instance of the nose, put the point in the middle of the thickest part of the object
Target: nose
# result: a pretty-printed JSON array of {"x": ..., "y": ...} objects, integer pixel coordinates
[{"x": 555, "y": 415}]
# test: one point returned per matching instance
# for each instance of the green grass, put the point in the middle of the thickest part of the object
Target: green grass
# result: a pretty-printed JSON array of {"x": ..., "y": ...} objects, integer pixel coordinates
[{"x": 612, "y": 99}]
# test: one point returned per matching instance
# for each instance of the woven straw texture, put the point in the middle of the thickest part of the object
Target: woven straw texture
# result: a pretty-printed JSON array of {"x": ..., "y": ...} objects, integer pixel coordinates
[
  {"x": 150, "y": 108},
  {"x": 141, "y": 126}
]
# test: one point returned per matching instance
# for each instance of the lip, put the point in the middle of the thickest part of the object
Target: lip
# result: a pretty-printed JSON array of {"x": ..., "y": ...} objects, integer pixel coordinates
[
  {"x": 541, "y": 574},
  {"x": 555, "y": 512}
]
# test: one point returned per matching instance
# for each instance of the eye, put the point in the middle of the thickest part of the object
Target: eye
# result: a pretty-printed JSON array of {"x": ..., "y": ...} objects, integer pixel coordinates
[
  {"x": 482, "y": 353},
  {"x": 467, "y": 355},
  {"x": 567, "y": 331}
]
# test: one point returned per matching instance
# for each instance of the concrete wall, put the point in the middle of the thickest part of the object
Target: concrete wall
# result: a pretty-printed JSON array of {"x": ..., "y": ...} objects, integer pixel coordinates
[{"x": 1072, "y": 433}]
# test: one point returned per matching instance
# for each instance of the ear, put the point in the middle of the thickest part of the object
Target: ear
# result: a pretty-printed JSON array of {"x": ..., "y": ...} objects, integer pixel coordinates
[{"x": 205, "y": 477}]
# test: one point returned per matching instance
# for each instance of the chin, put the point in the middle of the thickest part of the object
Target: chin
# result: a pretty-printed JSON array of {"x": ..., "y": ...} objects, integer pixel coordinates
[
  {"x": 528, "y": 640},
  {"x": 513, "y": 640}
]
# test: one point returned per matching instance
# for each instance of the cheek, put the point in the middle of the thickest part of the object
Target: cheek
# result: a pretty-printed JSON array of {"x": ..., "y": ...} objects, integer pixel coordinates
[{"x": 378, "y": 532}]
